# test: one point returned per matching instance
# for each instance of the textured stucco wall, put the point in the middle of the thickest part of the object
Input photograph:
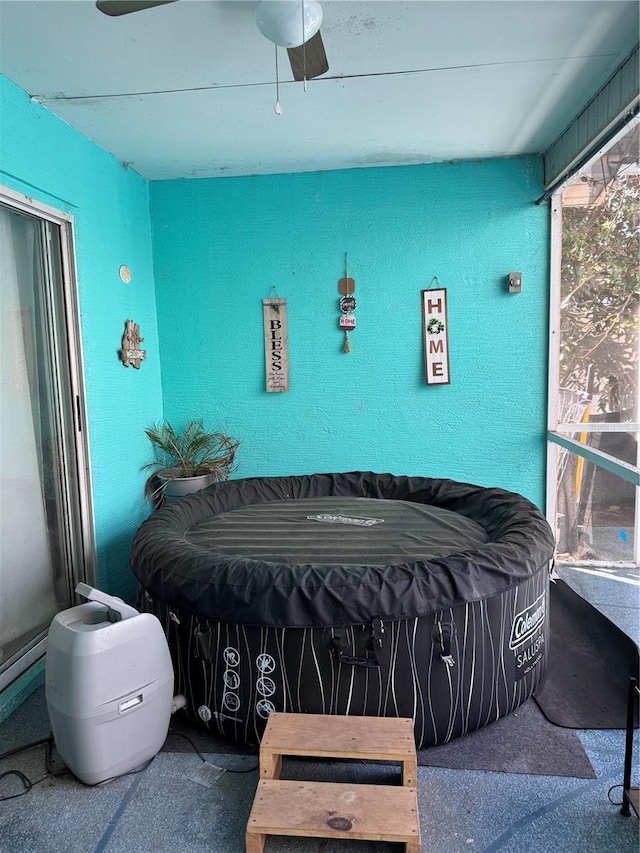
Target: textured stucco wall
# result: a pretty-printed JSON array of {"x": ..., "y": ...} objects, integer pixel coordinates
[
  {"x": 43, "y": 157},
  {"x": 221, "y": 245}
]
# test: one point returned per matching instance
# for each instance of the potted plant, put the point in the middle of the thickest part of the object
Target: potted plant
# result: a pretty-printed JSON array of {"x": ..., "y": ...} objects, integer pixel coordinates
[{"x": 188, "y": 460}]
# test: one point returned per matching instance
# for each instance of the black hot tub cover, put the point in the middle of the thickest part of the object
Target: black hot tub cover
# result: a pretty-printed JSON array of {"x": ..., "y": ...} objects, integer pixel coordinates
[{"x": 177, "y": 556}]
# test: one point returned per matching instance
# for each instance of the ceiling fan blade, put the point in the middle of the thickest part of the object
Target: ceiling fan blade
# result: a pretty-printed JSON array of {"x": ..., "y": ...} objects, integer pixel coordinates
[
  {"x": 124, "y": 7},
  {"x": 311, "y": 55}
]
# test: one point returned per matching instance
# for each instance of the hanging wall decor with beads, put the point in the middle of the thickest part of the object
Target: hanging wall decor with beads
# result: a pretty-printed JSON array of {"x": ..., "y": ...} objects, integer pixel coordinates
[
  {"x": 276, "y": 344},
  {"x": 347, "y": 304}
]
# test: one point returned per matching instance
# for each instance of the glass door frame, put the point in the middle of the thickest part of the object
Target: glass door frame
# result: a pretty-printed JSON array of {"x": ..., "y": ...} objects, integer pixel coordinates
[
  {"x": 82, "y": 558},
  {"x": 559, "y": 435}
]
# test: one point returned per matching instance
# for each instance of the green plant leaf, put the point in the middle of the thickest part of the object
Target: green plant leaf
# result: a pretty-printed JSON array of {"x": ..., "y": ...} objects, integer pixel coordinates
[{"x": 191, "y": 452}]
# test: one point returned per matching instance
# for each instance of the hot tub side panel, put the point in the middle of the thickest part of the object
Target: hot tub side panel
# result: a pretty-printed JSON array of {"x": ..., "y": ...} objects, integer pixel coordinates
[{"x": 452, "y": 671}]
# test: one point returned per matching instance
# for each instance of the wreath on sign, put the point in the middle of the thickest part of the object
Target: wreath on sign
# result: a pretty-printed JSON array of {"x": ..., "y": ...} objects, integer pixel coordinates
[{"x": 435, "y": 326}]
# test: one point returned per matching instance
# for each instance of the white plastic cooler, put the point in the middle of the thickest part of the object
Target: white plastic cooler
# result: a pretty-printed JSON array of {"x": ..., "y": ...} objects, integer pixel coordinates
[{"x": 109, "y": 686}]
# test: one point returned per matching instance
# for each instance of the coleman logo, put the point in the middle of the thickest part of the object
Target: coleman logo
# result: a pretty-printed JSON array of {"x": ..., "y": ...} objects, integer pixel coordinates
[
  {"x": 527, "y": 622},
  {"x": 345, "y": 519}
]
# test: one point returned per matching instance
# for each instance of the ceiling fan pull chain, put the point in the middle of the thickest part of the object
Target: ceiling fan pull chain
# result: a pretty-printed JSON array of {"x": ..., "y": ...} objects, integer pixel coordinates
[{"x": 278, "y": 107}]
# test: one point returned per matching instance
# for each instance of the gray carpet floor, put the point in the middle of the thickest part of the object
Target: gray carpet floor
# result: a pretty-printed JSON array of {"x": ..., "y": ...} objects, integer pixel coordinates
[
  {"x": 461, "y": 808},
  {"x": 520, "y": 785},
  {"x": 523, "y": 742}
]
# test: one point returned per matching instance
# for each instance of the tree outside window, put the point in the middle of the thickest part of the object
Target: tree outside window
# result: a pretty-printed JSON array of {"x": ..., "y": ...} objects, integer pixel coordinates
[{"x": 599, "y": 350}]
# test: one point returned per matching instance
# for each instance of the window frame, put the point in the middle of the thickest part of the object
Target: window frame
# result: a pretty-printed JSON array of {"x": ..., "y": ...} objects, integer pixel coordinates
[
  {"x": 82, "y": 557},
  {"x": 559, "y": 434}
]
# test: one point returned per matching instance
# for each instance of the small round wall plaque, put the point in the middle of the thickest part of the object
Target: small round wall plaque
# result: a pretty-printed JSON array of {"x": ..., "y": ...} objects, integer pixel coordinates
[
  {"x": 125, "y": 274},
  {"x": 347, "y": 304}
]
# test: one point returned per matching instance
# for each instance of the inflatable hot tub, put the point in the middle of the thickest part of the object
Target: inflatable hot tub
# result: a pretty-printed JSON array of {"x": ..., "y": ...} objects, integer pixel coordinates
[{"x": 354, "y": 593}]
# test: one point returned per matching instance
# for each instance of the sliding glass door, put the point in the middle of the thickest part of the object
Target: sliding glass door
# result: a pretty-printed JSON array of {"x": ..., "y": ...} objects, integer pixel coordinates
[{"x": 45, "y": 513}]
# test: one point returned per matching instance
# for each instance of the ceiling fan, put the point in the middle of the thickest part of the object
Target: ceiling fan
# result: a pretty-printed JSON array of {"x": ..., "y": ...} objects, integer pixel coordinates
[{"x": 294, "y": 24}]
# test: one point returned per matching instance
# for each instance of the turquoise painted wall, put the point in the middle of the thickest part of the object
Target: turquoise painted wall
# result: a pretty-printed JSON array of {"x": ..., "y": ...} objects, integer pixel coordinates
[
  {"x": 45, "y": 158},
  {"x": 222, "y": 245}
]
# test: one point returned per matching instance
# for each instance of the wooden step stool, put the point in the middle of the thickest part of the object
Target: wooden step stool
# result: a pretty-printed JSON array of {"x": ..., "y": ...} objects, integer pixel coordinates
[{"x": 331, "y": 810}]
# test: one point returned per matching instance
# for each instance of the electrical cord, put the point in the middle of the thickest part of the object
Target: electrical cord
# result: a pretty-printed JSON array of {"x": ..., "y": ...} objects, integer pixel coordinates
[
  {"x": 26, "y": 782},
  {"x": 140, "y": 769},
  {"x": 50, "y": 772},
  {"x": 18, "y": 749},
  {"x": 201, "y": 756},
  {"x": 612, "y": 788},
  {"x": 49, "y": 743}
]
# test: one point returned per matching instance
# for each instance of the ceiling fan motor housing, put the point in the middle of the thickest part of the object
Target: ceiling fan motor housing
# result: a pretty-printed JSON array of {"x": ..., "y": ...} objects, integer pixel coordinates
[{"x": 281, "y": 21}]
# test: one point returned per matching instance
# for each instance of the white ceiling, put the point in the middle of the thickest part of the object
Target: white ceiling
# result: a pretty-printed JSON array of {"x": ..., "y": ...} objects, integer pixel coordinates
[{"x": 188, "y": 90}]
